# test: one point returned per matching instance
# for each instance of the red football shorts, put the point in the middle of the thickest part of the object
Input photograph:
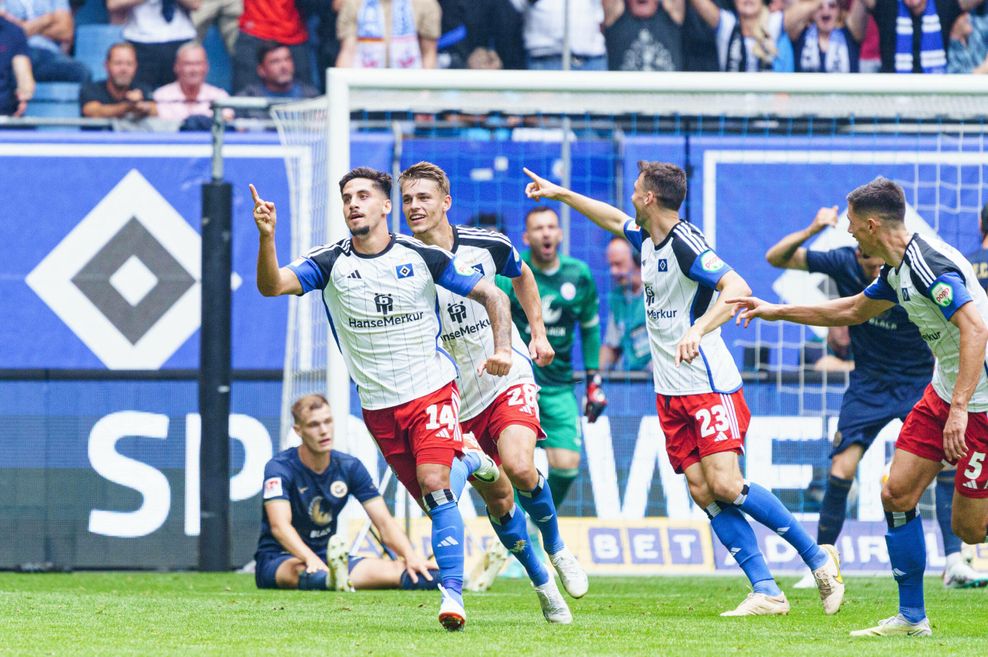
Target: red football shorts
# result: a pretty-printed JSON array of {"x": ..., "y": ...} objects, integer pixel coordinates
[
  {"x": 516, "y": 406},
  {"x": 421, "y": 431},
  {"x": 699, "y": 425},
  {"x": 922, "y": 435}
]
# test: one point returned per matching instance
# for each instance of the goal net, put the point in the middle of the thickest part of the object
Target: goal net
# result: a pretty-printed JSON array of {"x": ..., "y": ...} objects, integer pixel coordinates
[{"x": 762, "y": 155}]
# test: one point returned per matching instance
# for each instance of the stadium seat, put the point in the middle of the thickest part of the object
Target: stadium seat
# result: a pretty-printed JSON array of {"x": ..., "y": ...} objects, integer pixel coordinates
[
  {"x": 91, "y": 44},
  {"x": 55, "y": 100}
]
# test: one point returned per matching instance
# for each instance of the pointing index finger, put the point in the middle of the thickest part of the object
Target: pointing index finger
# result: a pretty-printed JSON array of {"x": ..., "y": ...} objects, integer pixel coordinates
[
  {"x": 531, "y": 175},
  {"x": 253, "y": 192}
]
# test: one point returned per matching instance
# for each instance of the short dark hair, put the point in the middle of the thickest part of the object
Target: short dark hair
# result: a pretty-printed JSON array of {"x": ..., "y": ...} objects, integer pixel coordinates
[
  {"x": 306, "y": 404},
  {"x": 120, "y": 44},
  {"x": 984, "y": 221},
  {"x": 380, "y": 179},
  {"x": 266, "y": 48},
  {"x": 426, "y": 171},
  {"x": 538, "y": 209},
  {"x": 666, "y": 180},
  {"x": 880, "y": 198},
  {"x": 635, "y": 253}
]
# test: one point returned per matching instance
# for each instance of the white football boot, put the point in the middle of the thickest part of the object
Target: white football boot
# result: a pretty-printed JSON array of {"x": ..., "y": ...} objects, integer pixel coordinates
[
  {"x": 554, "y": 606},
  {"x": 829, "y": 581},
  {"x": 897, "y": 626},
  {"x": 488, "y": 568},
  {"x": 761, "y": 604},
  {"x": 452, "y": 615},
  {"x": 571, "y": 573}
]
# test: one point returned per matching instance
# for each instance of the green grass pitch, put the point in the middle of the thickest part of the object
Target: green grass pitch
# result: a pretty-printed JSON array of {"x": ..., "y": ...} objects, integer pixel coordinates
[{"x": 192, "y": 614}]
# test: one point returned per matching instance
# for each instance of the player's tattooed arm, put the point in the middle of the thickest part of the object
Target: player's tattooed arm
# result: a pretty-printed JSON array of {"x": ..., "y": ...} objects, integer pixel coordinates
[
  {"x": 279, "y": 514},
  {"x": 527, "y": 292},
  {"x": 272, "y": 280},
  {"x": 499, "y": 311},
  {"x": 393, "y": 537},
  {"x": 788, "y": 253},
  {"x": 973, "y": 338},
  {"x": 606, "y": 216}
]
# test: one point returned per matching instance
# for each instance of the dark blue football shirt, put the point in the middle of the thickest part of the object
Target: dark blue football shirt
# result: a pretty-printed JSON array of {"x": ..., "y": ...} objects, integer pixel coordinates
[
  {"x": 887, "y": 346},
  {"x": 979, "y": 260},
  {"x": 316, "y": 499}
]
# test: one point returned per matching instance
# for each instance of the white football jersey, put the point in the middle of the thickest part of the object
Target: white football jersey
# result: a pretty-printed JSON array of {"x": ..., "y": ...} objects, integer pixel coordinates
[
  {"x": 680, "y": 277},
  {"x": 931, "y": 283},
  {"x": 466, "y": 333},
  {"x": 383, "y": 313}
]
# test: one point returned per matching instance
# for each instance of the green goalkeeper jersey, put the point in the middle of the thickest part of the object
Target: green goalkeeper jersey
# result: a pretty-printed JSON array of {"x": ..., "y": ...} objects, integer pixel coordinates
[{"x": 569, "y": 300}]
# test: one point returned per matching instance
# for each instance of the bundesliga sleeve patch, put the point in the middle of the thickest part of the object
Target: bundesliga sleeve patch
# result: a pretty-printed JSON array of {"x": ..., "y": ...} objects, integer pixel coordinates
[
  {"x": 711, "y": 262},
  {"x": 943, "y": 294},
  {"x": 272, "y": 488},
  {"x": 949, "y": 293}
]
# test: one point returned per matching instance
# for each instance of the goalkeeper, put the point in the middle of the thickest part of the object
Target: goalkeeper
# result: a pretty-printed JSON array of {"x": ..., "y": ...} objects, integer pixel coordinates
[{"x": 569, "y": 300}]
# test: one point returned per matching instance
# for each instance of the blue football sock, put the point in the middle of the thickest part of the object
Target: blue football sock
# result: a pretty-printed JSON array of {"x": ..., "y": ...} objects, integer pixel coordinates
[
  {"x": 312, "y": 581},
  {"x": 541, "y": 509},
  {"x": 833, "y": 510},
  {"x": 423, "y": 584},
  {"x": 461, "y": 468},
  {"x": 907, "y": 556},
  {"x": 512, "y": 530},
  {"x": 945, "y": 507},
  {"x": 735, "y": 533},
  {"x": 447, "y": 540},
  {"x": 764, "y": 507}
]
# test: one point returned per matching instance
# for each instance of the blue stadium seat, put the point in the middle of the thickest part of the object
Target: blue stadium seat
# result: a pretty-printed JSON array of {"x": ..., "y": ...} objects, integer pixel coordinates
[
  {"x": 55, "y": 100},
  {"x": 91, "y": 44}
]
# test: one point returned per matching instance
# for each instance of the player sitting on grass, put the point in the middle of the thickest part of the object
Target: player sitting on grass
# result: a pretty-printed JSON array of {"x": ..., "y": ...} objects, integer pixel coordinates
[
  {"x": 305, "y": 489},
  {"x": 939, "y": 291},
  {"x": 698, "y": 393},
  {"x": 501, "y": 413}
]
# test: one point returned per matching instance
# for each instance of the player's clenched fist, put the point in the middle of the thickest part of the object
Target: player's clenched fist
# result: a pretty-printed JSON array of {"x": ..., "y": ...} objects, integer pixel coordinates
[
  {"x": 265, "y": 215},
  {"x": 498, "y": 365}
]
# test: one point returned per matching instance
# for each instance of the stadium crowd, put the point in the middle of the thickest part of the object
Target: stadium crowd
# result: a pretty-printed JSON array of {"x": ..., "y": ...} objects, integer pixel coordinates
[{"x": 276, "y": 48}]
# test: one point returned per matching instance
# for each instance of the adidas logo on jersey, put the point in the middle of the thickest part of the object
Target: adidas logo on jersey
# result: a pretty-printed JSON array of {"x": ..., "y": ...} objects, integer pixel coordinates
[
  {"x": 443, "y": 433},
  {"x": 354, "y": 274},
  {"x": 973, "y": 485},
  {"x": 781, "y": 531},
  {"x": 449, "y": 541}
]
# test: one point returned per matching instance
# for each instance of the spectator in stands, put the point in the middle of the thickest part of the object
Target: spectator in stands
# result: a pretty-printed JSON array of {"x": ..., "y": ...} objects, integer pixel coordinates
[
  {"x": 644, "y": 35},
  {"x": 388, "y": 33},
  {"x": 968, "y": 50},
  {"x": 625, "y": 345},
  {"x": 225, "y": 15},
  {"x": 16, "y": 79},
  {"x": 50, "y": 28},
  {"x": 481, "y": 34},
  {"x": 118, "y": 97},
  {"x": 544, "y": 34},
  {"x": 280, "y": 21},
  {"x": 189, "y": 96},
  {"x": 329, "y": 45},
  {"x": 156, "y": 29},
  {"x": 699, "y": 41},
  {"x": 929, "y": 22},
  {"x": 276, "y": 70},
  {"x": 826, "y": 37},
  {"x": 753, "y": 40}
]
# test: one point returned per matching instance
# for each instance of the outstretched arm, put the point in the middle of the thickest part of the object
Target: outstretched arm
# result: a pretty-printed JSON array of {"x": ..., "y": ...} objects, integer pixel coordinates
[
  {"x": 527, "y": 292},
  {"x": 730, "y": 285},
  {"x": 974, "y": 336},
  {"x": 606, "y": 216},
  {"x": 788, "y": 253},
  {"x": 499, "y": 311},
  {"x": 271, "y": 279},
  {"x": 394, "y": 538},
  {"x": 844, "y": 311}
]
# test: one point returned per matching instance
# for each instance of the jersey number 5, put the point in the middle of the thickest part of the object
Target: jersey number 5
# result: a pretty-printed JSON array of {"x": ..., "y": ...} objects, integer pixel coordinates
[
  {"x": 974, "y": 466},
  {"x": 713, "y": 420}
]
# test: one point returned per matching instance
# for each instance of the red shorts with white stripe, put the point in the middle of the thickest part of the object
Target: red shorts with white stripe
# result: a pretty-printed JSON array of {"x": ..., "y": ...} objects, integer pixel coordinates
[
  {"x": 422, "y": 431},
  {"x": 699, "y": 425},
  {"x": 922, "y": 434},
  {"x": 516, "y": 406}
]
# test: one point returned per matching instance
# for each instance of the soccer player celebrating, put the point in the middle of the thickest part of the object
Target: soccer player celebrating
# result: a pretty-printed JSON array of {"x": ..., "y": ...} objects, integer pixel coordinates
[
  {"x": 305, "y": 489},
  {"x": 697, "y": 384},
  {"x": 380, "y": 292},
  {"x": 569, "y": 299},
  {"x": 939, "y": 291},
  {"x": 892, "y": 367},
  {"x": 501, "y": 413}
]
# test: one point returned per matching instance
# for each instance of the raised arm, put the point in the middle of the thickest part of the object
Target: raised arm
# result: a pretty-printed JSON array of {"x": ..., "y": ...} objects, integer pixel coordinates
[
  {"x": 279, "y": 514},
  {"x": 527, "y": 292},
  {"x": 843, "y": 311},
  {"x": 606, "y": 216},
  {"x": 973, "y": 338},
  {"x": 499, "y": 311},
  {"x": 857, "y": 20},
  {"x": 394, "y": 538},
  {"x": 272, "y": 280},
  {"x": 708, "y": 11},
  {"x": 798, "y": 15},
  {"x": 788, "y": 253}
]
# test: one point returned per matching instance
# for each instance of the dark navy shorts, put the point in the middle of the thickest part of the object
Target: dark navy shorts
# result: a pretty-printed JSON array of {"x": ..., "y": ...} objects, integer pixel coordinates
[
  {"x": 267, "y": 563},
  {"x": 869, "y": 404}
]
